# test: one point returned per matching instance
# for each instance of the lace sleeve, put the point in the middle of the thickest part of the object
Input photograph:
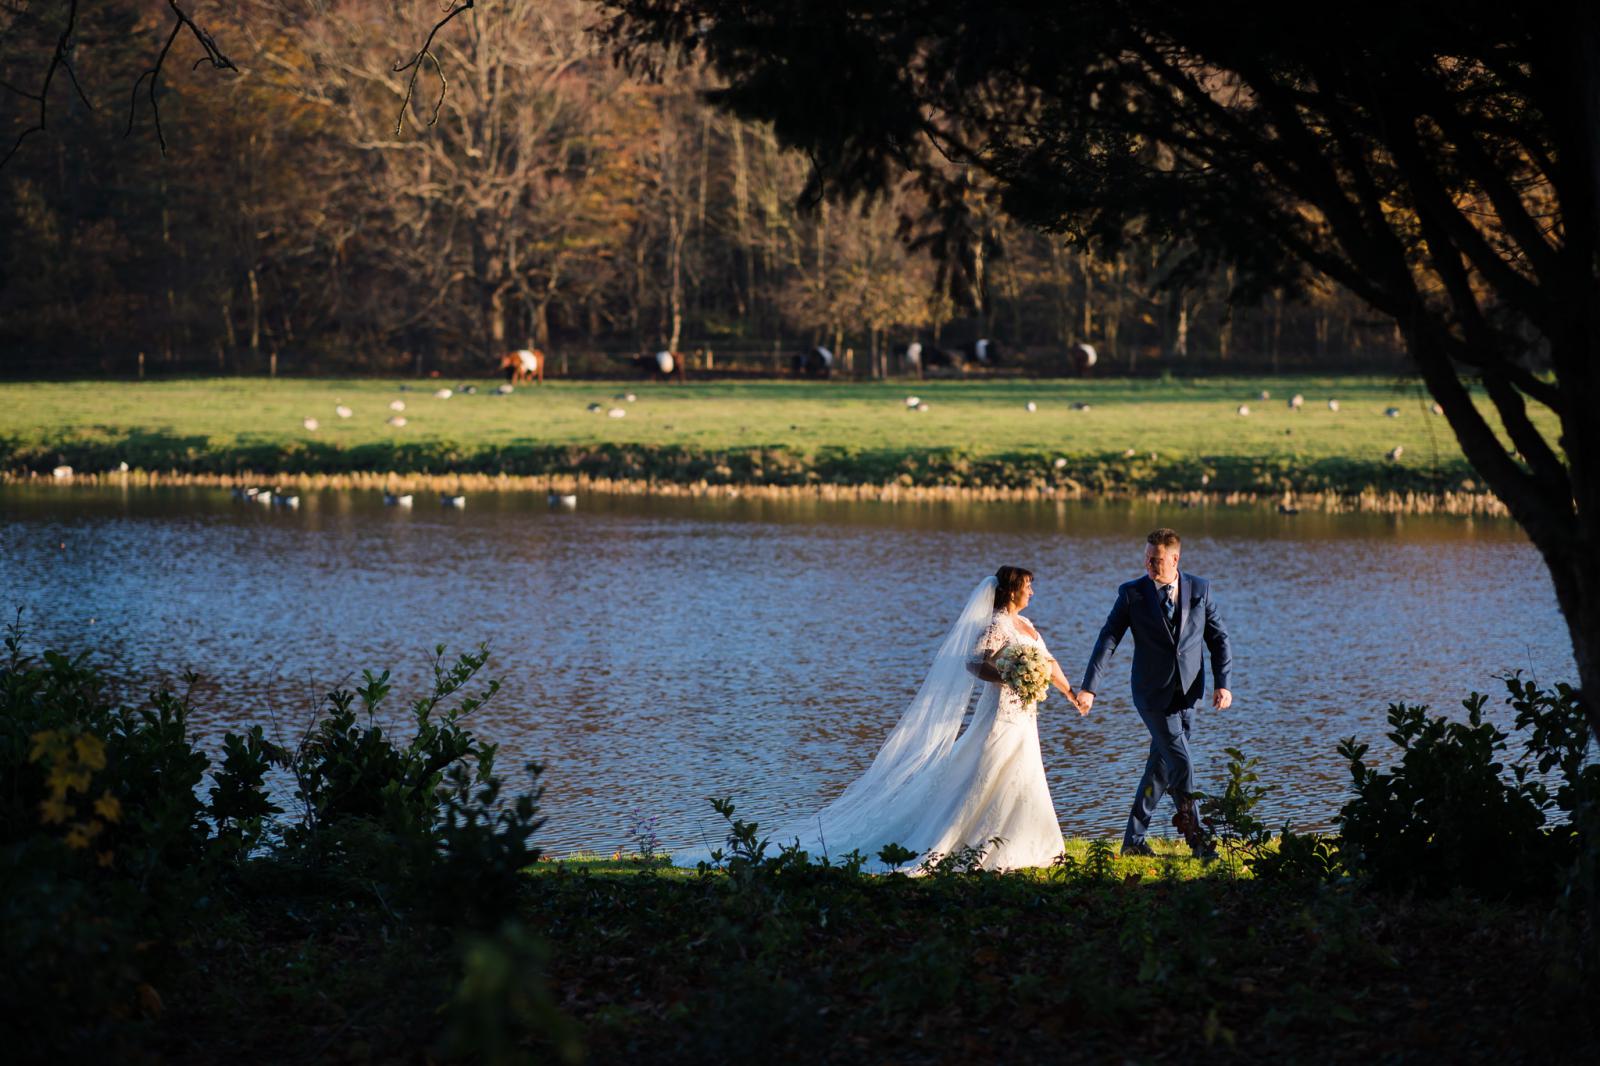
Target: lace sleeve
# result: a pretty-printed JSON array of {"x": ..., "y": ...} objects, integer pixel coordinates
[{"x": 994, "y": 638}]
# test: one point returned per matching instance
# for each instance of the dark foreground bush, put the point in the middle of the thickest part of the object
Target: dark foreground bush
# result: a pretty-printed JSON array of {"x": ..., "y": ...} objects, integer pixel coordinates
[
  {"x": 1459, "y": 810},
  {"x": 113, "y": 865}
]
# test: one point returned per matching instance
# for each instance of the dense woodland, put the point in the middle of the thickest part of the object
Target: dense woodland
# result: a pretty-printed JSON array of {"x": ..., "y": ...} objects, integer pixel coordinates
[{"x": 304, "y": 218}]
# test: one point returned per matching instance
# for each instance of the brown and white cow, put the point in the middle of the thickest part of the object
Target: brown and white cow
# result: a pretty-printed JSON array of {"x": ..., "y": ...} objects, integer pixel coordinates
[{"x": 524, "y": 364}]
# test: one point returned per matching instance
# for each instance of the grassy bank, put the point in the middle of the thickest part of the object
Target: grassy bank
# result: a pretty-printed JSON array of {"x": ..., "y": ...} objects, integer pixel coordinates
[
  {"x": 1136, "y": 437},
  {"x": 1155, "y": 963}
]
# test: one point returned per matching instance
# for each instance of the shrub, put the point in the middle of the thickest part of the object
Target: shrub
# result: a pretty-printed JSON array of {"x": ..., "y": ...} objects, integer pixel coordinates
[
  {"x": 1299, "y": 859},
  {"x": 110, "y": 859},
  {"x": 1456, "y": 811},
  {"x": 1230, "y": 819}
]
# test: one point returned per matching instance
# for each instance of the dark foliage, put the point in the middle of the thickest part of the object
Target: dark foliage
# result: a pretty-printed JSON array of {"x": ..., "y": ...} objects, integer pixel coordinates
[
  {"x": 1457, "y": 812},
  {"x": 112, "y": 864}
]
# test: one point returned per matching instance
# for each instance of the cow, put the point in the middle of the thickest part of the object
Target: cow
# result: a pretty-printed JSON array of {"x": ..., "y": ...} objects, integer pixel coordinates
[
  {"x": 663, "y": 365},
  {"x": 522, "y": 365},
  {"x": 1084, "y": 357},
  {"x": 814, "y": 363}
]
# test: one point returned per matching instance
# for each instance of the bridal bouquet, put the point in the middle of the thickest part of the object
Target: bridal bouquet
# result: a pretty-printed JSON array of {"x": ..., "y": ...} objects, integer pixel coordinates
[{"x": 1026, "y": 669}]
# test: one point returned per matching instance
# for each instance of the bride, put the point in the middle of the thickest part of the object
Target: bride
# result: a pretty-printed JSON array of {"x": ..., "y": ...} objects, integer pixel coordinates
[{"x": 934, "y": 792}]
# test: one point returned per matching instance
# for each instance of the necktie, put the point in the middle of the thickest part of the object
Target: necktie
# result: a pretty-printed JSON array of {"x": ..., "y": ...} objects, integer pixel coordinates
[{"x": 1167, "y": 604}]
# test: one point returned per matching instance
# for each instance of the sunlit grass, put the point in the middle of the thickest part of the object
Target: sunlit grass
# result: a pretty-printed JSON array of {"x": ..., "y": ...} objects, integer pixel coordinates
[
  {"x": 1172, "y": 861},
  {"x": 1175, "y": 420}
]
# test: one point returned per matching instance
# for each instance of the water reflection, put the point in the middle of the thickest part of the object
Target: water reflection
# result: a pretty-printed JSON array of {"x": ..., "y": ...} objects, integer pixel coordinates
[{"x": 655, "y": 652}]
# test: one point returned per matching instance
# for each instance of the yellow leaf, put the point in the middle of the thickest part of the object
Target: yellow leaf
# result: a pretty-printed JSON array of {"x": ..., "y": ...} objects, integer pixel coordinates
[
  {"x": 108, "y": 807},
  {"x": 54, "y": 810},
  {"x": 78, "y": 837},
  {"x": 91, "y": 751},
  {"x": 63, "y": 780},
  {"x": 44, "y": 743}
]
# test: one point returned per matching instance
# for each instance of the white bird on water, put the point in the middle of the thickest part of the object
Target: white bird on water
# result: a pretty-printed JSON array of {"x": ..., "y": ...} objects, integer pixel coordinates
[
  {"x": 286, "y": 499},
  {"x": 563, "y": 500},
  {"x": 391, "y": 499},
  {"x": 447, "y": 500}
]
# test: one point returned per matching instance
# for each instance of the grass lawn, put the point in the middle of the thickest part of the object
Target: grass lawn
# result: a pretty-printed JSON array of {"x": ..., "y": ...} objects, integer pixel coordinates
[{"x": 983, "y": 418}]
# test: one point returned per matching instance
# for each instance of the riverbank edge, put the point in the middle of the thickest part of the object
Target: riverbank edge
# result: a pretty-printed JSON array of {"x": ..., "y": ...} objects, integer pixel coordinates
[{"x": 1366, "y": 500}]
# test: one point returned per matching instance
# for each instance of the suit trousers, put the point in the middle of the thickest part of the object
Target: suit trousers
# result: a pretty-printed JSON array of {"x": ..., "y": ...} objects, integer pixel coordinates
[{"x": 1168, "y": 768}]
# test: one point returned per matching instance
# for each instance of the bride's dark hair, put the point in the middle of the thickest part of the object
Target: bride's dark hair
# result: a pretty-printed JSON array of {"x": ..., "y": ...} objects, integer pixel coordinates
[{"x": 1010, "y": 580}]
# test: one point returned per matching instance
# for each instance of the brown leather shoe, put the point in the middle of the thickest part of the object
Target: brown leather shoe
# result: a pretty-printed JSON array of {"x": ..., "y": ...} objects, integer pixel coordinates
[{"x": 1188, "y": 822}]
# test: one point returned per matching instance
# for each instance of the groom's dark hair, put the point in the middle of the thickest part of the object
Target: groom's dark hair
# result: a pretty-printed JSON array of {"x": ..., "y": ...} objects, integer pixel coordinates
[
  {"x": 1163, "y": 538},
  {"x": 1010, "y": 580}
]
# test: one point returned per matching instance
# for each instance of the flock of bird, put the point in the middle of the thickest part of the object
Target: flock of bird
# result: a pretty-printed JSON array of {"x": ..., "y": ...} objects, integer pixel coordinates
[
  {"x": 1297, "y": 402},
  {"x": 564, "y": 501},
  {"x": 397, "y": 418}
]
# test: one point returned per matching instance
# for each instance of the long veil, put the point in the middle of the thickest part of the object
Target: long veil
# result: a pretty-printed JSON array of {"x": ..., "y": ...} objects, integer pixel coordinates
[{"x": 883, "y": 805}]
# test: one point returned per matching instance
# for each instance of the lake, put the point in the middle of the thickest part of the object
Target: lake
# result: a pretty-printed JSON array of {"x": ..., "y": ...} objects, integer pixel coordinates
[{"x": 658, "y": 651}]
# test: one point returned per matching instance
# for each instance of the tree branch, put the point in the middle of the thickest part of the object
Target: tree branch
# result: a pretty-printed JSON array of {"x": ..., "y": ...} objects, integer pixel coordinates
[
  {"x": 58, "y": 59},
  {"x": 211, "y": 54},
  {"x": 415, "y": 66}
]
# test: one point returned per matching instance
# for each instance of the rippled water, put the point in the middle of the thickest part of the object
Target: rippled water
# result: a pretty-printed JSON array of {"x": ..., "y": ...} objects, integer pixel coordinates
[{"x": 655, "y": 652}]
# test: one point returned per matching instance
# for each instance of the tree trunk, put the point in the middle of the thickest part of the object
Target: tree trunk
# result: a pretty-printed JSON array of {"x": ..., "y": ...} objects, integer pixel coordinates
[
  {"x": 255, "y": 315},
  {"x": 741, "y": 218},
  {"x": 676, "y": 230}
]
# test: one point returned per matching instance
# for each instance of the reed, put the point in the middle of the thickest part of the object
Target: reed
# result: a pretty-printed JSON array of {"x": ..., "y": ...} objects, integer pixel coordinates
[{"x": 1330, "y": 502}]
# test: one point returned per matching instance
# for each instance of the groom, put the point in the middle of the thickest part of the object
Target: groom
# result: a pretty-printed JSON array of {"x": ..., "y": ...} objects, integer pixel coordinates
[{"x": 1172, "y": 616}]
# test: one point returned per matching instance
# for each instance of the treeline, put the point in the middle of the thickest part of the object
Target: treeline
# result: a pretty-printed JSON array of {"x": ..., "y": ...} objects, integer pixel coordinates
[{"x": 305, "y": 216}]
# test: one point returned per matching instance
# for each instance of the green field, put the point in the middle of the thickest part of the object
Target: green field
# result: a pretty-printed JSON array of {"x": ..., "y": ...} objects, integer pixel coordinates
[{"x": 1183, "y": 435}]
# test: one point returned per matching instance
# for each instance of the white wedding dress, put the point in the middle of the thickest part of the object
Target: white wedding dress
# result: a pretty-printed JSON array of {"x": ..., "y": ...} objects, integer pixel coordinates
[{"x": 934, "y": 792}]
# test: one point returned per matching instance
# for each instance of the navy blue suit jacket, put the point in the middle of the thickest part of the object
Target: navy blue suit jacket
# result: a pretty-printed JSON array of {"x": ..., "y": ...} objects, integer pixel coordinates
[{"x": 1163, "y": 667}]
